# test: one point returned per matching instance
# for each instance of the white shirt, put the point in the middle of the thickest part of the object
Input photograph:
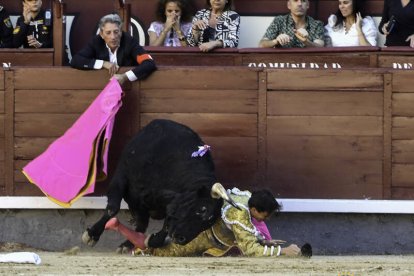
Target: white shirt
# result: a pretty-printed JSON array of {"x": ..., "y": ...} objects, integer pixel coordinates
[{"x": 339, "y": 37}]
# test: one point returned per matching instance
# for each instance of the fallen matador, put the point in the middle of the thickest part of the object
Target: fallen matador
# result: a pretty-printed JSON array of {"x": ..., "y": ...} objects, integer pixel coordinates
[{"x": 238, "y": 232}]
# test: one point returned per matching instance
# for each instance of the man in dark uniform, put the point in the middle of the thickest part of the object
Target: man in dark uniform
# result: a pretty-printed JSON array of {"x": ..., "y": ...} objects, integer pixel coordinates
[
  {"x": 6, "y": 29},
  {"x": 34, "y": 27},
  {"x": 113, "y": 48}
]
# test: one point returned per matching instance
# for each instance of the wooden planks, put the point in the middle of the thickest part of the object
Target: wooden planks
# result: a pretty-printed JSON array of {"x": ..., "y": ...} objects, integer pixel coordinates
[
  {"x": 2, "y": 133},
  {"x": 27, "y": 57},
  {"x": 402, "y": 134},
  {"x": 225, "y": 115},
  {"x": 209, "y": 78},
  {"x": 56, "y": 78},
  {"x": 325, "y": 103},
  {"x": 53, "y": 101},
  {"x": 222, "y": 108},
  {"x": 301, "y": 133},
  {"x": 321, "y": 80},
  {"x": 196, "y": 101},
  {"x": 235, "y": 160},
  {"x": 396, "y": 60},
  {"x": 215, "y": 125},
  {"x": 195, "y": 59},
  {"x": 300, "y": 60},
  {"x": 402, "y": 104},
  {"x": 322, "y": 141},
  {"x": 325, "y": 125},
  {"x": 403, "y": 81}
]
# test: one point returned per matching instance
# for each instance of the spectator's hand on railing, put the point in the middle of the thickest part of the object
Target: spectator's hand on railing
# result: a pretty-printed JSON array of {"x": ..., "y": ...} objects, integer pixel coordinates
[
  {"x": 33, "y": 42},
  {"x": 208, "y": 46},
  {"x": 111, "y": 67},
  {"x": 411, "y": 40},
  {"x": 281, "y": 40}
]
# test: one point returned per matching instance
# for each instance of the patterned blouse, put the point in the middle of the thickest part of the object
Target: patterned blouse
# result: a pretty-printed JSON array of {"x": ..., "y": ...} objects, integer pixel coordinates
[
  {"x": 227, "y": 29},
  {"x": 284, "y": 24},
  {"x": 171, "y": 40}
]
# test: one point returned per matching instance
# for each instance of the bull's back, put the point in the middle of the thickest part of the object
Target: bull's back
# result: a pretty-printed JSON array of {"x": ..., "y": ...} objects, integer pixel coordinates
[{"x": 159, "y": 156}]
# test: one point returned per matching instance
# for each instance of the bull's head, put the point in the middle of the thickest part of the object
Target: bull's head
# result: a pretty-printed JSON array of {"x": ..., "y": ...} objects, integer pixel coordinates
[{"x": 193, "y": 212}]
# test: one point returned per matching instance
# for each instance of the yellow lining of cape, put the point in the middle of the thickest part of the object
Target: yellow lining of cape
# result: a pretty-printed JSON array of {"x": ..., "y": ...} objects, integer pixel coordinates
[{"x": 91, "y": 175}]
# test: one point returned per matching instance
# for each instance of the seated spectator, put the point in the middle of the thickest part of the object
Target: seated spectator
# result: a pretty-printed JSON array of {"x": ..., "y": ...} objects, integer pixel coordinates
[
  {"x": 295, "y": 29},
  {"x": 215, "y": 27},
  {"x": 397, "y": 23},
  {"x": 173, "y": 25},
  {"x": 112, "y": 48},
  {"x": 6, "y": 29},
  {"x": 348, "y": 28},
  {"x": 34, "y": 28}
]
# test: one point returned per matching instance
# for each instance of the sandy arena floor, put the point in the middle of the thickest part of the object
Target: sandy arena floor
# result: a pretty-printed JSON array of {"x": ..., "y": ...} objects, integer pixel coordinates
[{"x": 99, "y": 263}]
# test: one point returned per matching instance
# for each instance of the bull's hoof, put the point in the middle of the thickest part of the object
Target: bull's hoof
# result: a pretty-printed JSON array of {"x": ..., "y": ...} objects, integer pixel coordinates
[
  {"x": 125, "y": 248},
  {"x": 88, "y": 240},
  {"x": 306, "y": 250}
]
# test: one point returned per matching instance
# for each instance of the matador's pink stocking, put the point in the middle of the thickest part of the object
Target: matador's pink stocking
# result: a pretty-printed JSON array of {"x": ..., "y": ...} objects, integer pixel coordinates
[{"x": 137, "y": 238}]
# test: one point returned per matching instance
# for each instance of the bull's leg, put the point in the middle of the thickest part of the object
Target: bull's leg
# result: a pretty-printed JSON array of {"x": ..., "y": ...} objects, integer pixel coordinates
[{"x": 115, "y": 195}]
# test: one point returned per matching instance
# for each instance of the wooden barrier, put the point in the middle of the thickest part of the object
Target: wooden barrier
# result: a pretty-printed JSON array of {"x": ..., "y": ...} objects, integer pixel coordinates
[
  {"x": 338, "y": 57},
  {"x": 2, "y": 133},
  {"x": 27, "y": 57},
  {"x": 192, "y": 56},
  {"x": 302, "y": 133},
  {"x": 328, "y": 57},
  {"x": 396, "y": 57},
  {"x": 332, "y": 57}
]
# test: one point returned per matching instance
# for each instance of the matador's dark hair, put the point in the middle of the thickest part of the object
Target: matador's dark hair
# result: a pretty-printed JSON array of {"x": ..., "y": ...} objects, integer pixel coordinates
[{"x": 264, "y": 201}]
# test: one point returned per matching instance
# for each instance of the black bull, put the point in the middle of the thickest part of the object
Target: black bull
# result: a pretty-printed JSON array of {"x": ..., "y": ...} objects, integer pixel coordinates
[{"x": 158, "y": 178}]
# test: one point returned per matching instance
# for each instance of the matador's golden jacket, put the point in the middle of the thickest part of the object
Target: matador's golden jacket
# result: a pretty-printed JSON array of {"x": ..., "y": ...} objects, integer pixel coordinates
[{"x": 233, "y": 234}]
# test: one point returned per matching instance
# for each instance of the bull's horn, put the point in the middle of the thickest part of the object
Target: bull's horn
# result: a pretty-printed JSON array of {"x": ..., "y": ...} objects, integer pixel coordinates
[{"x": 218, "y": 191}]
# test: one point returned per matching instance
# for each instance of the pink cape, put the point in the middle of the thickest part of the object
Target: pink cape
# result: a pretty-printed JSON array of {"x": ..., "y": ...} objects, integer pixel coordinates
[
  {"x": 70, "y": 166},
  {"x": 262, "y": 228}
]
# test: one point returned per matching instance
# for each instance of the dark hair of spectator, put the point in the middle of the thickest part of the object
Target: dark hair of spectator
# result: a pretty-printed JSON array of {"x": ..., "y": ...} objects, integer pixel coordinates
[
  {"x": 186, "y": 6},
  {"x": 356, "y": 7},
  {"x": 226, "y": 7},
  {"x": 264, "y": 201}
]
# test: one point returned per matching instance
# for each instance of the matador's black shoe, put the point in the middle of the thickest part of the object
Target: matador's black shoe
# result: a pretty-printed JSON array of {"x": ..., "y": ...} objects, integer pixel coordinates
[{"x": 306, "y": 250}]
